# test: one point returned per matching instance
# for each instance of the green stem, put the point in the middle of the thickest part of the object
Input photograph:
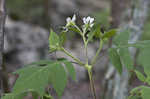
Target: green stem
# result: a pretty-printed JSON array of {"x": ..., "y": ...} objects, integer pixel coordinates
[
  {"x": 92, "y": 84},
  {"x": 74, "y": 58},
  {"x": 97, "y": 53}
]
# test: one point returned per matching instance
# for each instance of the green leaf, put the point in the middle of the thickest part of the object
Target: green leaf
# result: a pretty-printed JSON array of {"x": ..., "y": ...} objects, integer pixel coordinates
[
  {"x": 53, "y": 41},
  {"x": 33, "y": 78},
  {"x": 140, "y": 76},
  {"x": 126, "y": 58},
  {"x": 115, "y": 59},
  {"x": 70, "y": 68},
  {"x": 74, "y": 29},
  {"x": 58, "y": 78},
  {"x": 62, "y": 37},
  {"x": 122, "y": 38},
  {"x": 145, "y": 92},
  {"x": 109, "y": 34},
  {"x": 136, "y": 90},
  {"x": 97, "y": 32},
  {"x": 36, "y": 78},
  {"x": 143, "y": 59}
]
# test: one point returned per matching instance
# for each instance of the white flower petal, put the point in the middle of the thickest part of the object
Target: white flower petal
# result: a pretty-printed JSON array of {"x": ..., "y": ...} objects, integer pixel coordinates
[
  {"x": 88, "y": 19},
  {"x": 68, "y": 19},
  {"x": 74, "y": 18},
  {"x": 91, "y": 20},
  {"x": 84, "y": 20}
]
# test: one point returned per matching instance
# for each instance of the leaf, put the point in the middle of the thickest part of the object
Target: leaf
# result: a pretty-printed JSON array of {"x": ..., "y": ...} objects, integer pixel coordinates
[
  {"x": 126, "y": 58},
  {"x": 62, "y": 37},
  {"x": 58, "y": 78},
  {"x": 145, "y": 92},
  {"x": 115, "y": 59},
  {"x": 33, "y": 78},
  {"x": 140, "y": 76},
  {"x": 70, "y": 68},
  {"x": 143, "y": 59},
  {"x": 121, "y": 38},
  {"x": 136, "y": 90},
  {"x": 109, "y": 34},
  {"x": 53, "y": 41},
  {"x": 97, "y": 32},
  {"x": 74, "y": 29},
  {"x": 36, "y": 78}
]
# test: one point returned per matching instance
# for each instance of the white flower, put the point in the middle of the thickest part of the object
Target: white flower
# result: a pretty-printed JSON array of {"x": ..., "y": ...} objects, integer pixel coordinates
[
  {"x": 71, "y": 21},
  {"x": 88, "y": 21}
]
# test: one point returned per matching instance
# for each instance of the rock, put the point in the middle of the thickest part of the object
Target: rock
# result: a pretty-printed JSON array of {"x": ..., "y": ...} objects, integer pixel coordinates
[{"x": 24, "y": 43}]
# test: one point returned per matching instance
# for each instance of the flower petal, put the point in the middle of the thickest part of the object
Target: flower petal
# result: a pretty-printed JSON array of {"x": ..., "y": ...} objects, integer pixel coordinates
[
  {"x": 74, "y": 18},
  {"x": 68, "y": 19}
]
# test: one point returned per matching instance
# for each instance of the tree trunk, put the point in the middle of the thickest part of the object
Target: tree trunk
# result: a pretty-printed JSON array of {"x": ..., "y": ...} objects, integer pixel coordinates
[
  {"x": 117, "y": 85},
  {"x": 3, "y": 74}
]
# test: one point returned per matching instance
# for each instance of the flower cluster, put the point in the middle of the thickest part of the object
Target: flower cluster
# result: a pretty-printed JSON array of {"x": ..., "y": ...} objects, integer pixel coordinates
[{"x": 88, "y": 22}]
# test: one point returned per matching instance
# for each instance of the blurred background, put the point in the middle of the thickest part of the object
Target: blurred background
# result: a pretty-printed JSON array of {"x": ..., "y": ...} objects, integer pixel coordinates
[{"x": 26, "y": 40}]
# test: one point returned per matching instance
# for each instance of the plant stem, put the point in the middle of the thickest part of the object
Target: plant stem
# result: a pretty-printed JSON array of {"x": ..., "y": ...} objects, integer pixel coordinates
[
  {"x": 74, "y": 58},
  {"x": 92, "y": 84},
  {"x": 97, "y": 53}
]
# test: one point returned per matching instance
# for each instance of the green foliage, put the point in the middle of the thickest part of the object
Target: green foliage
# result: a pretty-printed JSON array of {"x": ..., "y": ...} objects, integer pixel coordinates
[
  {"x": 54, "y": 41},
  {"x": 109, "y": 34},
  {"x": 140, "y": 76},
  {"x": 115, "y": 59},
  {"x": 126, "y": 58},
  {"x": 141, "y": 92},
  {"x": 36, "y": 76}
]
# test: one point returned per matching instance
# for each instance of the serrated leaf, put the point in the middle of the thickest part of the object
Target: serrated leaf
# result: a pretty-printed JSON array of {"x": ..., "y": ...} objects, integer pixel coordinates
[
  {"x": 140, "y": 76},
  {"x": 126, "y": 58},
  {"x": 115, "y": 59},
  {"x": 58, "y": 78},
  {"x": 53, "y": 41},
  {"x": 109, "y": 34},
  {"x": 36, "y": 78}
]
